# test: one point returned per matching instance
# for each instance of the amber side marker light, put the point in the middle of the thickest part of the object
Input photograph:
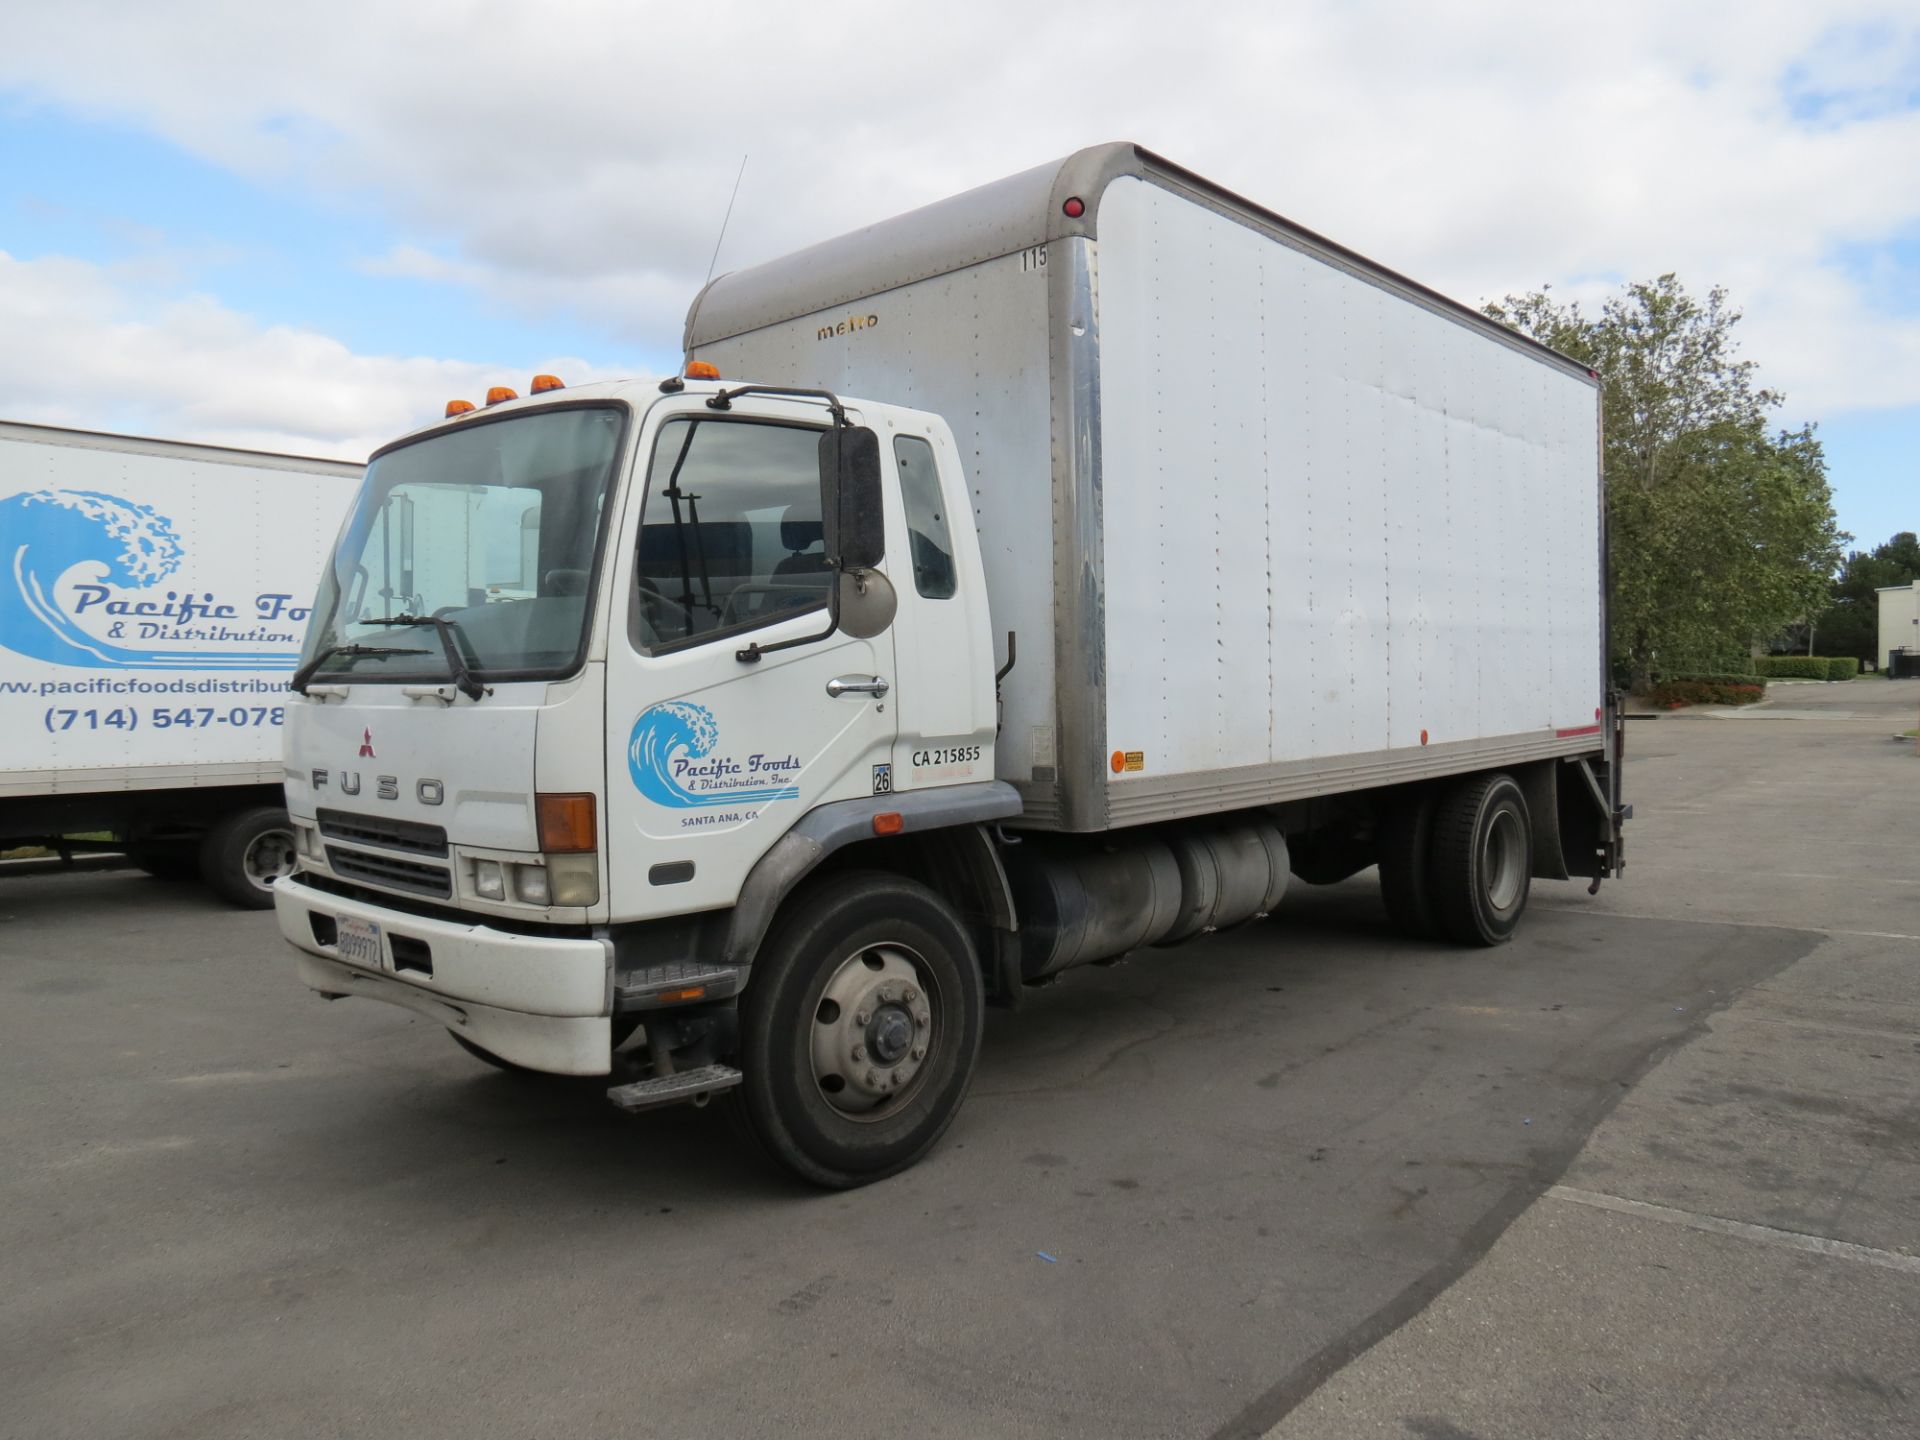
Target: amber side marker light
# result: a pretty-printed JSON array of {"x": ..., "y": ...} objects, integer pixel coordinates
[
  {"x": 544, "y": 383},
  {"x": 499, "y": 393},
  {"x": 459, "y": 407},
  {"x": 702, "y": 370},
  {"x": 889, "y": 822},
  {"x": 565, "y": 823}
]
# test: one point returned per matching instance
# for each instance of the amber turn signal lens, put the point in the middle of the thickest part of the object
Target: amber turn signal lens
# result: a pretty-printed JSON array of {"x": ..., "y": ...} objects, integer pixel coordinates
[
  {"x": 889, "y": 822},
  {"x": 499, "y": 393},
  {"x": 702, "y": 370},
  {"x": 459, "y": 407},
  {"x": 565, "y": 823},
  {"x": 544, "y": 383}
]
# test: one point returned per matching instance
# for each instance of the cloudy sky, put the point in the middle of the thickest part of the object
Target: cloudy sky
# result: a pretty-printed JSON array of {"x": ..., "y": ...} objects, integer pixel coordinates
[{"x": 305, "y": 228}]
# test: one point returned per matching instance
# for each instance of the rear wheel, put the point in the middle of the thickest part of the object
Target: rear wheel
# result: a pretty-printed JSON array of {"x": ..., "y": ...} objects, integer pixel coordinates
[
  {"x": 1406, "y": 837},
  {"x": 1482, "y": 859},
  {"x": 245, "y": 853},
  {"x": 859, "y": 1030}
]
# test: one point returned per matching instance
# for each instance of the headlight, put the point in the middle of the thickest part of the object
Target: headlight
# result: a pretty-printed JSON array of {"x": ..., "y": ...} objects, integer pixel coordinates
[
  {"x": 530, "y": 884},
  {"x": 489, "y": 881}
]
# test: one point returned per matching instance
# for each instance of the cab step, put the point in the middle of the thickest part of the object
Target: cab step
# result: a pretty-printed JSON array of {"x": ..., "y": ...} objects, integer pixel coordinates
[{"x": 696, "y": 1085}]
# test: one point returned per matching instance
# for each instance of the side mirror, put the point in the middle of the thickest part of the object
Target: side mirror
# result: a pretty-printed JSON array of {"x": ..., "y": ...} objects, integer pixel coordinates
[{"x": 850, "y": 498}]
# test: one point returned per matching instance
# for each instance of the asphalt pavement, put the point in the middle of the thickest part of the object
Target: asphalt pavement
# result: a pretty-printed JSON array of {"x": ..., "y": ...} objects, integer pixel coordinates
[{"x": 1305, "y": 1174}]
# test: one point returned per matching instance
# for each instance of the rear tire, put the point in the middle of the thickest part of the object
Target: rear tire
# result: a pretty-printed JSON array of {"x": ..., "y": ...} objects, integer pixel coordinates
[
  {"x": 1406, "y": 840},
  {"x": 859, "y": 1030},
  {"x": 1482, "y": 859},
  {"x": 245, "y": 853}
]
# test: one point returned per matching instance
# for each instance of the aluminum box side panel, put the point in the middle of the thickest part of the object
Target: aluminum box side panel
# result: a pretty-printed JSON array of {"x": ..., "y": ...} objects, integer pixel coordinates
[
  {"x": 1337, "y": 523},
  {"x": 971, "y": 346},
  {"x": 101, "y": 688}
]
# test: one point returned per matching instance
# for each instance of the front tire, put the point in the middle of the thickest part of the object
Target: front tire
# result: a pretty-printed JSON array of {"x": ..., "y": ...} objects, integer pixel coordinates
[
  {"x": 1482, "y": 859},
  {"x": 245, "y": 853},
  {"x": 859, "y": 1030}
]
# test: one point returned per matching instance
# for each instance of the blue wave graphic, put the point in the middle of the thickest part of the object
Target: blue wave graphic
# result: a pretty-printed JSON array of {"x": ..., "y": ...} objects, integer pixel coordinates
[
  {"x": 45, "y": 533},
  {"x": 680, "y": 731}
]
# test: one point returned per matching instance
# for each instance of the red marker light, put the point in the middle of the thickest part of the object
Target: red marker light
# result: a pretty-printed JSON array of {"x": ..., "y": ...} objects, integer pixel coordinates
[{"x": 1074, "y": 208}]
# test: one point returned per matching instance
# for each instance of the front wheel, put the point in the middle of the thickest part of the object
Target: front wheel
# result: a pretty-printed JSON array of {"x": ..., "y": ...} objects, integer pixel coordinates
[
  {"x": 245, "y": 853},
  {"x": 859, "y": 1030},
  {"x": 1482, "y": 866}
]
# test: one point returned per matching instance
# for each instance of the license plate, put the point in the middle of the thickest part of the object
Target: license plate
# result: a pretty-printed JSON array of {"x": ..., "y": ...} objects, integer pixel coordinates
[{"x": 359, "y": 941}]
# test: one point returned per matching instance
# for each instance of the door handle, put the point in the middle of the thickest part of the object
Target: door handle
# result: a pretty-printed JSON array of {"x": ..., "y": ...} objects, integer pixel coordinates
[{"x": 856, "y": 685}]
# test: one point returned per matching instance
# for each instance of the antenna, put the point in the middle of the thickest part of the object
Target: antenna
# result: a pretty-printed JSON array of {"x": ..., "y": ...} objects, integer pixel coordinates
[{"x": 723, "y": 223}]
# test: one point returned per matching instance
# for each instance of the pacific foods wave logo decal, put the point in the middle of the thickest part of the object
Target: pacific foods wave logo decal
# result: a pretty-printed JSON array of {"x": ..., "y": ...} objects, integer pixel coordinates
[
  {"x": 46, "y": 533},
  {"x": 671, "y": 758}
]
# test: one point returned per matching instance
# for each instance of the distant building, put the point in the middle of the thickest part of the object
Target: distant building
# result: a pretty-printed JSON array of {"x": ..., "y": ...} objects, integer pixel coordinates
[{"x": 1899, "y": 620}]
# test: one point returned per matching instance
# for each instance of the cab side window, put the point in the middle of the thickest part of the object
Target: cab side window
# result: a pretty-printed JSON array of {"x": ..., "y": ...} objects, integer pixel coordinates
[
  {"x": 730, "y": 534},
  {"x": 928, "y": 534}
]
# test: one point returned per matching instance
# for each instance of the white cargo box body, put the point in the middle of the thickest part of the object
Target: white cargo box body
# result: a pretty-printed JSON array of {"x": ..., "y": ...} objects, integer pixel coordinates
[
  {"x": 152, "y": 603},
  {"x": 1269, "y": 521}
]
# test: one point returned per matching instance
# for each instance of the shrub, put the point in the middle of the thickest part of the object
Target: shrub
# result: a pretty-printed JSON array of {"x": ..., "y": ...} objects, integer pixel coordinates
[
  {"x": 1672, "y": 694},
  {"x": 1711, "y": 677},
  {"x": 1843, "y": 668},
  {"x": 1794, "y": 667}
]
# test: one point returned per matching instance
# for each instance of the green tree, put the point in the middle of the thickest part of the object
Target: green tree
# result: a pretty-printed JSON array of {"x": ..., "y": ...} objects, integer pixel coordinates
[
  {"x": 1851, "y": 623},
  {"x": 1719, "y": 531}
]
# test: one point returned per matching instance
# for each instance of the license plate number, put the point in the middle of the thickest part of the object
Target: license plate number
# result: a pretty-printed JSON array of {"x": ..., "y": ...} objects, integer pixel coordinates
[{"x": 359, "y": 941}]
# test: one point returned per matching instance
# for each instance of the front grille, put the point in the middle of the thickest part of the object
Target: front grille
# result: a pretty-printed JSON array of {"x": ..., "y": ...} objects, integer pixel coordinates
[
  {"x": 409, "y": 835},
  {"x": 434, "y": 880}
]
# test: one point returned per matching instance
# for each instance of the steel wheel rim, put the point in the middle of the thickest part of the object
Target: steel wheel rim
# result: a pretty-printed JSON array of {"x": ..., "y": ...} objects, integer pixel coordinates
[
  {"x": 874, "y": 1032},
  {"x": 269, "y": 858},
  {"x": 1503, "y": 861}
]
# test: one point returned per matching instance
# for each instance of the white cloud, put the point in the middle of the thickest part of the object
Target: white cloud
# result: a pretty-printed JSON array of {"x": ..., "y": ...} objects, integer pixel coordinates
[
  {"x": 89, "y": 347},
  {"x": 579, "y": 157}
]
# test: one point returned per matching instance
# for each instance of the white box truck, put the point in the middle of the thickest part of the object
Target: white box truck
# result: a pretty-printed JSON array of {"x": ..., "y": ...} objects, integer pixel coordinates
[
  {"x": 152, "y": 604},
  {"x": 1174, "y": 551}
]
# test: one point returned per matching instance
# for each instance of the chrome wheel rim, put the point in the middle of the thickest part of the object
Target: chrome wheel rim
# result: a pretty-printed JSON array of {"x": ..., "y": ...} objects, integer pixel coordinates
[
  {"x": 269, "y": 858},
  {"x": 1503, "y": 860},
  {"x": 875, "y": 1029}
]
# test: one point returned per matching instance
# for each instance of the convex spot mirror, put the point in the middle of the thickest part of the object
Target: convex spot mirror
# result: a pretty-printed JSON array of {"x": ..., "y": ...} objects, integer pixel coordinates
[
  {"x": 867, "y": 603},
  {"x": 850, "y": 509}
]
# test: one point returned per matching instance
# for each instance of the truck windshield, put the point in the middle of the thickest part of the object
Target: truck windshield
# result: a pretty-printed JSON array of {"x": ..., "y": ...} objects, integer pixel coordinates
[{"x": 494, "y": 526}]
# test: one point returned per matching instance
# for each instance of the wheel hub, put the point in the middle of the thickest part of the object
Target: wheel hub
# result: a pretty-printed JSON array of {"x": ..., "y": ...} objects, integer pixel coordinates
[{"x": 873, "y": 1031}]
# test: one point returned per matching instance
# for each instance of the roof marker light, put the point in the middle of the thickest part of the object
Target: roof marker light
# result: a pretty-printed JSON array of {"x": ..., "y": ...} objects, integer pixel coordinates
[
  {"x": 702, "y": 370},
  {"x": 1074, "y": 208},
  {"x": 544, "y": 383},
  {"x": 499, "y": 393},
  {"x": 459, "y": 407}
]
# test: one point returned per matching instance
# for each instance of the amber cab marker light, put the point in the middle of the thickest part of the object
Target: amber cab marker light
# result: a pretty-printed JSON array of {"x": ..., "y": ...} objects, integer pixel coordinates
[
  {"x": 702, "y": 370},
  {"x": 889, "y": 822},
  {"x": 544, "y": 383},
  {"x": 565, "y": 823},
  {"x": 459, "y": 407},
  {"x": 499, "y": 393}
]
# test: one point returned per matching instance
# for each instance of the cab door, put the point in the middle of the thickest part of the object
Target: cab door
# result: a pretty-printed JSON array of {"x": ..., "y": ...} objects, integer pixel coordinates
[{"x": 712, "y": 757}]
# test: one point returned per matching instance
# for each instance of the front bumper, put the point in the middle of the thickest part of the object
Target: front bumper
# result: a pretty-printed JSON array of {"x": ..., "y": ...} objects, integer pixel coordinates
[{"x": 542, "y": 1002}]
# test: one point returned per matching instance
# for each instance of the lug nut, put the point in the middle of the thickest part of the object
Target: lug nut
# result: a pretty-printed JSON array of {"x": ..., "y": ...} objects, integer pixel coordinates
[
  {"x": 919, "y": 1052},
  {"x": 909, "y": 995},
  {"x": 873, "y": 1080},
  {"x": 861, "y": 1017},
  {"x": 859, "y": 1052}
]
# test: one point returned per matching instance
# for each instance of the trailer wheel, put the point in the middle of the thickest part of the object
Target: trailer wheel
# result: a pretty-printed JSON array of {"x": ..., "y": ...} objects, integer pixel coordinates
[
  {"x": 245, "y": 853},
  {"x": 1406, "y": 838},
  {"x": 1481, "y": 868},
  {"x": 859, "y": 1030}
]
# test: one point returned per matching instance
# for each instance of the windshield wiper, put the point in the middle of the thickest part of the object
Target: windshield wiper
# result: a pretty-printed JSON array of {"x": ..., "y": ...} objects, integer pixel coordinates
[
  {"x": 304, "y": 675},
  {"x": 456, "y": 662}
]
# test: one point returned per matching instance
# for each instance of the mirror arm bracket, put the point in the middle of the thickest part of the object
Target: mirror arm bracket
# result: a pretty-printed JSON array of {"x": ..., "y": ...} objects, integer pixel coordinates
[
  {"x": 723, "y": 399},
  {"x": 751, "y": 655}
]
